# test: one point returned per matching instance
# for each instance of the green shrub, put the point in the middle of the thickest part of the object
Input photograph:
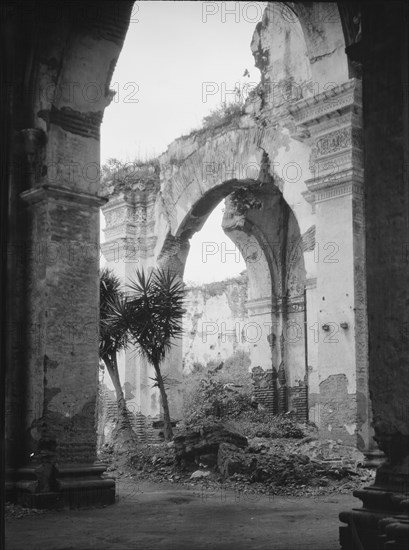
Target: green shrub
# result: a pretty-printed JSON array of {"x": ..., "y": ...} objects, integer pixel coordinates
[
  {"x": 208, "y": 399},
  {"x": 207, "y": 394},
  {"x": 223, "y": 115},
  {"x": 269, "y": 426}
]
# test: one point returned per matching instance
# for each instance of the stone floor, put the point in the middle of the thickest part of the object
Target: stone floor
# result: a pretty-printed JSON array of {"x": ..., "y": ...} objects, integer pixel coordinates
[{"x": 151, "y": 516}]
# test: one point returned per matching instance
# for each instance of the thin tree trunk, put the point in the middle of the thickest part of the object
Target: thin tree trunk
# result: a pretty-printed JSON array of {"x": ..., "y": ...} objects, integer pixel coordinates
[
  {"x": 112, "y": 367},
  {"x": 167, "y": 425},
  {"x": 123, "y": 433}
]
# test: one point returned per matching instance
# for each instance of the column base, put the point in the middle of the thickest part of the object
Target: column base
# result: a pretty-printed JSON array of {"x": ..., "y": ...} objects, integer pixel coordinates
[
  {"x": 62, "y": 486},
  {"x": 381, "y": 524}
]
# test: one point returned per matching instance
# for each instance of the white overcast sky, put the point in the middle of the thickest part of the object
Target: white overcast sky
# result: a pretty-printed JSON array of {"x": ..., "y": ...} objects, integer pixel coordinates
[{"x": 173, "y": 53}]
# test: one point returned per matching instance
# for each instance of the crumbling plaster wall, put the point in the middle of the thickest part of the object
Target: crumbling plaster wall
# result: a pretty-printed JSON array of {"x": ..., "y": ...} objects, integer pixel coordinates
[
  {"x": 215, "y": 322},
  {"x": 259, "y": 293}
]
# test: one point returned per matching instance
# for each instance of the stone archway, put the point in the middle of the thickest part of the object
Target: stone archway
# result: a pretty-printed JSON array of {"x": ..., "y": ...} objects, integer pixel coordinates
[
  {"x": 273, "y": 249},
  {"x": 191, "y": 185}
]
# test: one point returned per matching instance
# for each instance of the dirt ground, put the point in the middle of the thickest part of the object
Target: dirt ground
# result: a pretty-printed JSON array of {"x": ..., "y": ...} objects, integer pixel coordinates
[{"x": 166, "y": 516}]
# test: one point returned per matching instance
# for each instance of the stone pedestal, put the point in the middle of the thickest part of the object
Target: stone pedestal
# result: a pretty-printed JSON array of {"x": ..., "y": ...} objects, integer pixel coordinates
[
  {"x": 383, "y": 520},
  {"x": 62, "y": 486}
]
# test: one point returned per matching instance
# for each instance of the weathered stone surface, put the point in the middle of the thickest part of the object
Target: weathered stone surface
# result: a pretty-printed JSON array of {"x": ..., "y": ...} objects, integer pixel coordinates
[
  {"x": 230, "y": 460},
  {"x": 193, "y": 444},
  {"x": 199, "y": 474}
]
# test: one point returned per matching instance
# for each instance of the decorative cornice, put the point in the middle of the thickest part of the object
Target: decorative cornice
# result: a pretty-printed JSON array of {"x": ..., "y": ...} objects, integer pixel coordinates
[
  {"x": 332, "y": 103},
  {"x": 333, "y": 120},
  {"x": 336, "y": 189},
  {"x": 61, "y": 194}
]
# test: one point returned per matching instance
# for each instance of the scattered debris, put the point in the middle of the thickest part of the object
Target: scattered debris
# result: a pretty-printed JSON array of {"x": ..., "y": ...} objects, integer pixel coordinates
[
  {"x": 16, "y": 511},
  {"x": 199, "y": 474},
  {"x": 195, "y": 446},
  {"x": 291, "y": 467}
]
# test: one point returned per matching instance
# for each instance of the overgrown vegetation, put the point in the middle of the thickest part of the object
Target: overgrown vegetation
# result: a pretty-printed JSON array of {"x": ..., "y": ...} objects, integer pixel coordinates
[
  {"x": 256, "y": 423},
  {"x": 244, "y": 199},
  {"x": 117, "y": 175},
  {"x": 224, "y": 394},
  {"x": 223, "y": 115}
]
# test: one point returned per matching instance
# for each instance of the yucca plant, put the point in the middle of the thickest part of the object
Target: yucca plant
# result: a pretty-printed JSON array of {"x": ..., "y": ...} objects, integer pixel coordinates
[
  {"x": 152, "y": 315},
  {"x": 113, "y": 338}
]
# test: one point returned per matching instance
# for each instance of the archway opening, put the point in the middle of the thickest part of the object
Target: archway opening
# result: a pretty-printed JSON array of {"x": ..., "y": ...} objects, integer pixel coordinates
[{"x": 267, "y": 322}]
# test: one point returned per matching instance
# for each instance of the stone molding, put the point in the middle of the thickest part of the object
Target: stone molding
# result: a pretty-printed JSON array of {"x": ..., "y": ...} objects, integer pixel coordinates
[
  {"x": 61, "y": 194},
  {"x": 338, "y": 188},
  {"x": 126, "y": 214},
  {"x": 333, "y": 122},
  {"x": 311, "y": 283},
  {"x": 308, "y": 239},
  {"x": 259, "y": 306},
  {"x": 313, "y": 109},
  {"x": 128, "y": 250},
  {"x": 291, "y": 304},
  {"x": 295, "y": 304}
]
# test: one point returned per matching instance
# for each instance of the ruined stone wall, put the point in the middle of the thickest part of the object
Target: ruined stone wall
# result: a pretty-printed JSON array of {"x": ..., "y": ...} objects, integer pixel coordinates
[{"x": 215, "y": 322}]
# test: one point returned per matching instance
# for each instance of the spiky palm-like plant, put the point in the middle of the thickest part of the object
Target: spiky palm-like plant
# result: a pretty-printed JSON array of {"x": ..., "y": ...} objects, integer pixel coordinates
[
  {"x": 152, "y": 315},
  {"x": 113, "y": 338}
]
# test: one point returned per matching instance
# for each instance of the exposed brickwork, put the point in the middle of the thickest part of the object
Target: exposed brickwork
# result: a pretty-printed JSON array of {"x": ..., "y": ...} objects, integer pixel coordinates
[
  {"x": 278, "y": 398},
  {"x": 107, "y": 417},
  {"x": 82, "y": 124},
  {"x": 298, "y": 396},
  {"x": 265, "y": 388}
]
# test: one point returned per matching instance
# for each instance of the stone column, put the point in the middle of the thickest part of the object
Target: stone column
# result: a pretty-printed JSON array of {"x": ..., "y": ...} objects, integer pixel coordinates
[
  {"x": 333, "y": 121},
  {"x": 62, "y": 351},
  {"x": 383, "y": 521}
]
